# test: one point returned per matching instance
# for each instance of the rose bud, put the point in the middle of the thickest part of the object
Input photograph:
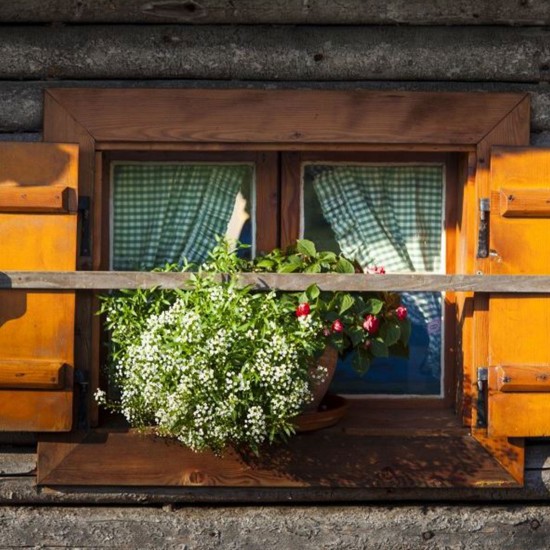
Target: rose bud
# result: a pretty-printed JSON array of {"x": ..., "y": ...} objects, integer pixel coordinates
[
  {"x": 337, "y": 326},
  {"x": 326, "y": 331},
  {"x": 401, "y": 313},
  {"x": 371, "y": 324},
  {"x": 302, "y": 310},
  {"x": 376, "y": 270}
]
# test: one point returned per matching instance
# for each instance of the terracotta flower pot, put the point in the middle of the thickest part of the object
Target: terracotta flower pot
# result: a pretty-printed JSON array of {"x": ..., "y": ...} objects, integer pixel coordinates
[
  {"x": 325, "y": 410},
  {"x": 328, "y": 360}
]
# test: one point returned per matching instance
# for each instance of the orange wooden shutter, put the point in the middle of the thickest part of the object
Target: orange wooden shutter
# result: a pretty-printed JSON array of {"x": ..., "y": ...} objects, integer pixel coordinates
[
  {"x": 38, "y": 227},
  {"x": 519, "y": 326}
]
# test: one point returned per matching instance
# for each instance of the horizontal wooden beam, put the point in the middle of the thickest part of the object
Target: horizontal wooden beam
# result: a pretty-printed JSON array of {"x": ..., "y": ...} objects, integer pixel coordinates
[
  {"x": 31, "y": 373},
  {"x": 355, "y": 12},
  {"x": 105, "y": 280},
  {"x": 37, "y": 199},
  {"x": 21, "y": 102},
  {"x": 254, "y": 52}
]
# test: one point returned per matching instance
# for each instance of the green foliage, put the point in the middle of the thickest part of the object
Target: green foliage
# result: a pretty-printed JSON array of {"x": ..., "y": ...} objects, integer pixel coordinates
[
  {"x": 217, "y": 364},
  {"x": 350, "y": 308}
]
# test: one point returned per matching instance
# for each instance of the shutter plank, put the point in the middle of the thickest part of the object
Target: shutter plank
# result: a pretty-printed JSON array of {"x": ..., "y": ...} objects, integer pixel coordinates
[
  {"x": 31, "y": 373},
  {"x": 37, "y": 199},
  {"x": 519, "y": 414},
  {"x": 38, "y": 223},
  {"x": 519, "y": 326},
  {"x": 520, "y": 378},
  {"x": 522, "y": 203}
]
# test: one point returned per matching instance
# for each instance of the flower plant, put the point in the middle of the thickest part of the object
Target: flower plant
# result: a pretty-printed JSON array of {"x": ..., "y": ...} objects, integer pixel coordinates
[
  {"x": 218, "y": 364},
  {"x": 369, "y": 324}
]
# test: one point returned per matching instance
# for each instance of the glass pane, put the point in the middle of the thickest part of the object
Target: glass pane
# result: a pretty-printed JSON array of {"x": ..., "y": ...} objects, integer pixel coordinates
[
  {"x": 390, "y": 216},
  {"x": 163, "y": 212}
]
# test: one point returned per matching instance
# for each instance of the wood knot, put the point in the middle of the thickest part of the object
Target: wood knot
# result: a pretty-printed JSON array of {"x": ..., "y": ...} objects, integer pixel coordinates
[{"x": 197, "y": 477}]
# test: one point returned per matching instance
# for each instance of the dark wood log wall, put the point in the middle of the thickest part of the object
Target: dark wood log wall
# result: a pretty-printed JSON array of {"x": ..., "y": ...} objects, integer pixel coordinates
[{"x": 444, "y": 45}]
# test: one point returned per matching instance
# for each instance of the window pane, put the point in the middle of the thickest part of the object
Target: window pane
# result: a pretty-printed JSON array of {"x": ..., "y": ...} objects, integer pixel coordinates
[
  {"x": 388, "y": 216},
  {"x": 164, "y": 212}
]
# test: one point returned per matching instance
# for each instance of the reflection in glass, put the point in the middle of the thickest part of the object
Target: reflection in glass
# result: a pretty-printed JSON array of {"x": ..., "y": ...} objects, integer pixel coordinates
[
  {"x": 389, "y": 216},
  {"x": 164, "y": 212}
]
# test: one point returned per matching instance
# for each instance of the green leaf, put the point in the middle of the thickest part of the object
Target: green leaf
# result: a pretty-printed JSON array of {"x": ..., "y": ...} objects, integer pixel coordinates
[
  {"x": 306, "y": 247},
  {"x": 378, "y": 348},
  {"x": 374, "y": 306},
  {"x": 344, "y": 266},
  {"x": 390, "y": 332},
  {"x": 361, "y": 361},
  {"x": 346, "y": 303},
  {"x": 356, "y": 337},
  {"x": 288, "y": 268},
  {"x": 313, "y": 292},
  {"x": 327, "y": 256},
  {"x": 313, "y": 268}
]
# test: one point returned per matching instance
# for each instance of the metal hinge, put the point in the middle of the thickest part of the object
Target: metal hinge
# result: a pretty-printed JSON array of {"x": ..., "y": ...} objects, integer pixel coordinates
[
  {"x": 483, "y": 232},
  {"x": 85, "y": 235},
  {"x": 81, "y": 382},
  {"x": 481, "y": 406}
]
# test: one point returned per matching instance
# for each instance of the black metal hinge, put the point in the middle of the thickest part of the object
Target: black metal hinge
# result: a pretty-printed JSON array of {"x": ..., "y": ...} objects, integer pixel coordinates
[
  {"x": 483, "y": 232},
  {"x": 84, "y": 215},
  {"x": 481, "y": 405}
]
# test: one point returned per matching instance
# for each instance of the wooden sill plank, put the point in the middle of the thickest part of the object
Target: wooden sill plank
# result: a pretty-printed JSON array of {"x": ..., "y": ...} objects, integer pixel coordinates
[
  {"x": 320, "y": 459},
  {"x": 31, "y": 373},
  {"x": 105, "y": 280}
]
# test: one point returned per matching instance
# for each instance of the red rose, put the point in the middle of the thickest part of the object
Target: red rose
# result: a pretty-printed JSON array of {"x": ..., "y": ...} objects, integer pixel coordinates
[
  {"x": 401, "y": 313},
  {"x": 371, "y": 324},
  {"x": 302, "y": 310},
  {"x": 376, "y": 270},
  {"x": 337, "y": 326}
]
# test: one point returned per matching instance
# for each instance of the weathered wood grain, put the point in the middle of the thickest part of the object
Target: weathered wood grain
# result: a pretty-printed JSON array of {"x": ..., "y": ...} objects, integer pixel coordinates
[
  {"x": 345, "y": 461},
  {"x": 105, "y": 280},
  {"x": 353, "y": 12},
  {"x": 21, "y": 102},
  {"x": 275, "y": 53}
]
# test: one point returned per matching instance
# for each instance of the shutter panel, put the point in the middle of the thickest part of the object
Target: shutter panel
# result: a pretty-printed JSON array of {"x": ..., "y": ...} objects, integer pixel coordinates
[
  {"x": 38, "y": 227},
  {"x": 519, "y": 326}
]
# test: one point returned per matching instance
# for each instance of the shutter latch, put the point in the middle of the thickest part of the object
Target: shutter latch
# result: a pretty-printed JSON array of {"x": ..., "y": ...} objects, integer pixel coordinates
[
  {"x": 482, "y": 378},
  {"x": 483, "y": 233}
]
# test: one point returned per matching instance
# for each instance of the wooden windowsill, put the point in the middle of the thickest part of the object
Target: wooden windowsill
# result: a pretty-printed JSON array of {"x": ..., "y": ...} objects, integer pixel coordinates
[{"x": 407, "y": 448}]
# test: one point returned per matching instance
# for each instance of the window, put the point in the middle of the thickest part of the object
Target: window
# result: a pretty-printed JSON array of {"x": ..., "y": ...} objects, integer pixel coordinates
[{"x": 379, "y": 446}]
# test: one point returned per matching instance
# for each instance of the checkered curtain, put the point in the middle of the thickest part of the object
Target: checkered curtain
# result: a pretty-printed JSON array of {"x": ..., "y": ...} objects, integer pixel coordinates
[
  {"x": 163, "y": 213},
  {"x": 391, "y": 216}
]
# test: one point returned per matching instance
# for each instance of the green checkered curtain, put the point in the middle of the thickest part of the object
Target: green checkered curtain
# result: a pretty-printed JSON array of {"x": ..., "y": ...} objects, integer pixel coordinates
[
  {"x": 165, "y": 212},
  {"x": 390, "y": 216}
]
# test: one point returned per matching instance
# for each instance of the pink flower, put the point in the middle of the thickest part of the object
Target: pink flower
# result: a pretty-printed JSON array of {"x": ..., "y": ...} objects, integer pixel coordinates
[
  {"x": 302, "y": 310},
  {"x": 337, "y": 326},
  {"x": 371, "y": 324},
  {"x": 326, "y": 331},
  {"x": 376, "y": 270},
  {"x": 401, "y": 313}
]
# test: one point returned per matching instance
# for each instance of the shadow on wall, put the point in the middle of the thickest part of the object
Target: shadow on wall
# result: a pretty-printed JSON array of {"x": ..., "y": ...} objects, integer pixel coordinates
[{"x": 32, "y": 166}]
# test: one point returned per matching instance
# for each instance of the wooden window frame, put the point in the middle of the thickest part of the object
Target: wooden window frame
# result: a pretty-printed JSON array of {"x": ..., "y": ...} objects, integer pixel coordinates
[{"x": 105, "y": 121}]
